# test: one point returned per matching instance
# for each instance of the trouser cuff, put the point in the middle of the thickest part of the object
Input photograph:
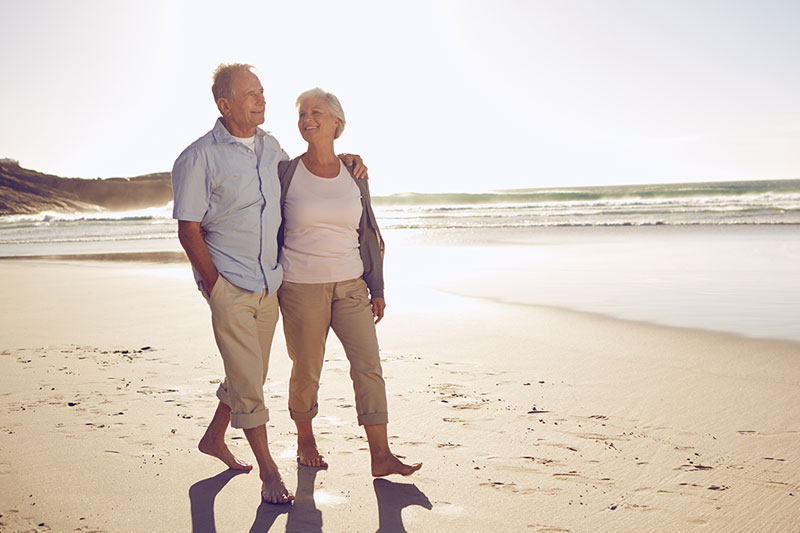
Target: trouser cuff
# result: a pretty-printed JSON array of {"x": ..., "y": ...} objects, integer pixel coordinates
[
  {"x": 222, "y": 394},
  {"x": 304, "y": 416},
  {"x": 243, "y": 420},
  {"x": 250, "y": 420},
  {"x": 372, "y": 419}
]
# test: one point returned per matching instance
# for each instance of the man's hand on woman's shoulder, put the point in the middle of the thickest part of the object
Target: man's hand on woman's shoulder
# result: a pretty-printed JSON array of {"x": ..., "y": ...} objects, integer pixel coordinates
[{"x": 354, "y": 162}]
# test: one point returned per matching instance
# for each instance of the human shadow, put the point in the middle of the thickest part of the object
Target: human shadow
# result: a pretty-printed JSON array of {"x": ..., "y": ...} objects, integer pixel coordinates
[
  {"x": 201, "y": 498},
  {"x": 392, "y": 499},
  {"x": 304, "y": 517},
  {"x": 266, "y": 515}
]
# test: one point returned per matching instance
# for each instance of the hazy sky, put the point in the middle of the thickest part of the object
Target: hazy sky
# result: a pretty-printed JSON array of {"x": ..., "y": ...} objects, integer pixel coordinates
[{"x": 439, "y": 96}]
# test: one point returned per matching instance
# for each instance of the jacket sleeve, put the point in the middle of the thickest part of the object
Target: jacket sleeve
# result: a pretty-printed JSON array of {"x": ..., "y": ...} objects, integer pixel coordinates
[{"x": 370, "y": 243}]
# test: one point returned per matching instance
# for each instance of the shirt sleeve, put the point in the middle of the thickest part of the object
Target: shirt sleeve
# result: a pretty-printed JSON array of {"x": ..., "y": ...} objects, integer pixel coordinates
[
  {"x": 282, "y": 155},
  {"x": 190, "y": 187}
]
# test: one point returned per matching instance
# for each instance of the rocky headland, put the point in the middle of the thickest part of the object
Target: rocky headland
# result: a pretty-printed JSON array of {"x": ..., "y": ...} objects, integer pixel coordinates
[{"x": 24, "y": 191}]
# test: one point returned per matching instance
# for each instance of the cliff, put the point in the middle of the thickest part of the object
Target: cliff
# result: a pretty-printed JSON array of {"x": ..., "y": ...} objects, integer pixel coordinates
[{"x": 24, "y": 191}]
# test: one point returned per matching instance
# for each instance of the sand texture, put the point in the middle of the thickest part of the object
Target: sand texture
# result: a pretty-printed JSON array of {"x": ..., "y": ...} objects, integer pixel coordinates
[{"x": 526, "y": 418}]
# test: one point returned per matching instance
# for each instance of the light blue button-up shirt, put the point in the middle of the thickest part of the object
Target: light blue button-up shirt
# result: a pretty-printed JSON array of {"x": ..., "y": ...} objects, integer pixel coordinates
[{"x": 235, "y": 195}]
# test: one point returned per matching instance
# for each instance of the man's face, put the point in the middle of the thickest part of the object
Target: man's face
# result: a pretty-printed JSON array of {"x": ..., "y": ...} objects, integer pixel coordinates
[{"x": 245, "y": 110}]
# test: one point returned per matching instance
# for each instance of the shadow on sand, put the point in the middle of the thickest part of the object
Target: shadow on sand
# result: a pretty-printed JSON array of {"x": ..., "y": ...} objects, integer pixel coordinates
[
  {"x": 266, "y": 515},
  {"x": 303, "y": 515},
  {"x": 392, "y": 499},
  {"x": 202, "y": 495}
]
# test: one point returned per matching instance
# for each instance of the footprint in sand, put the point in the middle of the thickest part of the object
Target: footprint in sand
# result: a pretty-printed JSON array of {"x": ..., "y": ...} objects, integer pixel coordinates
[
  {"x": 470, "y": 406},
  {"x": 541, "y": 528},
  {"x": 510, "y": 487},
  {"x": 693, "y": 468},
  {"x": 414, "y": 443}
]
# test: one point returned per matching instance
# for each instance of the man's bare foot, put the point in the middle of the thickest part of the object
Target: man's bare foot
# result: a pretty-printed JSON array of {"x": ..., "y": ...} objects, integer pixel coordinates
[
  {"x": 386, "y": 464},
  {"x": 273, "y": 490},
  {"x": 308, "y": 455},
  {"x": 220, "y": 450}
]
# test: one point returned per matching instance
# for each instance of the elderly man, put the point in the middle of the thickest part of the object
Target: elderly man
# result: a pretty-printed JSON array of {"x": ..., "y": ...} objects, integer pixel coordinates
[{"x": 227, "y": 204}]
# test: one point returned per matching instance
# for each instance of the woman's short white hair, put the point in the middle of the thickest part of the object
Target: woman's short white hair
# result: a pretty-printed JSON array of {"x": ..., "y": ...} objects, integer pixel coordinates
[{"x": 333, "y": 106}]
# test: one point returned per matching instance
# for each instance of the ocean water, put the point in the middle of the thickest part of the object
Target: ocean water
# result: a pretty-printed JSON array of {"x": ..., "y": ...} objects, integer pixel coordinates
[
  {"x": 747, "y": 202},
  {"x": 719, "y": 256},
  {"x": 740, "y": 279},
  {"x": 724, "y": 203}
]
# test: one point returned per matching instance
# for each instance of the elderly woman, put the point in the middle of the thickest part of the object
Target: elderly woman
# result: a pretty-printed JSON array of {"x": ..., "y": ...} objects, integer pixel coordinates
[{"x": 331, "y": 253}]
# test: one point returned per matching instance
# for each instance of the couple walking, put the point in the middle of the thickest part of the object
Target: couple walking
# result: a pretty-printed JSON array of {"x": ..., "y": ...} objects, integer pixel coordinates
[{"x": 262, "y": 232}]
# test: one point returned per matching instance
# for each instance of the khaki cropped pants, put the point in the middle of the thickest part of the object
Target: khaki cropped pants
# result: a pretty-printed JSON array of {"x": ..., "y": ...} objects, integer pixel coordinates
[
  {"x": 244, "y": 324},
  {"x": 309, "y": 310}
]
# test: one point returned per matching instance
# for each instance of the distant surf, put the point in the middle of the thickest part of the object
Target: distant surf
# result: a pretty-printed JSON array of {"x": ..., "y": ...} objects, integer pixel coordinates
[
  {"x": 775, "y": 202},
  {"x": 743, "y": 202}
]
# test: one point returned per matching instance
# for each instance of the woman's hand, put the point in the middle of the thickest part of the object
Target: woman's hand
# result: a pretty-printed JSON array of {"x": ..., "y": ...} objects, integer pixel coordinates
[{"x": 378, "y": 305}]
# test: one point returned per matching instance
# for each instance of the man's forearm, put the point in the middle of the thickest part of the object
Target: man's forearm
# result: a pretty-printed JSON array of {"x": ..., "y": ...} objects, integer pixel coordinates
[{"x": 191, "y": 237}]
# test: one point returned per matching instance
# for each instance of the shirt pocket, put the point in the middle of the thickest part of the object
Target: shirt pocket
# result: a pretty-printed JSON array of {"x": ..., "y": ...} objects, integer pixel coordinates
[{"x": 237, "y": 192}]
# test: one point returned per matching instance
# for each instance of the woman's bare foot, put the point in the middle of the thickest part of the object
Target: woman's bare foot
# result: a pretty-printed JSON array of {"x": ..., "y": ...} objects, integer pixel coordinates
[
  {"x": 385, "y": 464},
  {"x": 219, "y": 449},
  {"x": 308, "y": 455},
  {"x": 273, "y": 490},
  {"x": 307, "y": 452}
]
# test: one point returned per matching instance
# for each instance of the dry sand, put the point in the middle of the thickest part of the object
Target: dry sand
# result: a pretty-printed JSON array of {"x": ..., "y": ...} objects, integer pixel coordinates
[{"x": 526, "y": 418}]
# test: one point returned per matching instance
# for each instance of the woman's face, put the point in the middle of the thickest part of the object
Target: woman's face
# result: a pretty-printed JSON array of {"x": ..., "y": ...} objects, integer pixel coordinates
[{"x": 315, "y": 120}]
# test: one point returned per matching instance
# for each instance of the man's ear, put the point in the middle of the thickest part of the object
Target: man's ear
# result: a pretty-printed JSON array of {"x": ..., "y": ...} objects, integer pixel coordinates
[{"x": 224, "y": 106}]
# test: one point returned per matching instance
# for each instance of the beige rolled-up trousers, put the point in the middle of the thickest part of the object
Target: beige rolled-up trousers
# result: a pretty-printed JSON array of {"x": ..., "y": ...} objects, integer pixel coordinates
[
  {"x": 244, "y": 324},
  {"x": 309, "y": 310}
]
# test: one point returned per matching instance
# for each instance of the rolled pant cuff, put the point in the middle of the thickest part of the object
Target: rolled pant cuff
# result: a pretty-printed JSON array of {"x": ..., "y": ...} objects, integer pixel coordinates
[
  {"x": 249, "y": 420},
  {"x": 222, "y": 395},
  {"x": 304, "y": 416},
  {"x": 372, "y": 419},
  {"x": 243, "y": 420}
]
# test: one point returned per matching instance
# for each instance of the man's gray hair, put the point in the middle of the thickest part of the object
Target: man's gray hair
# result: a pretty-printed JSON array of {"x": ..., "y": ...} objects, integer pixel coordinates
[
  {"x": 223, "y": 79},
  {"x": 333, "y": 106}
]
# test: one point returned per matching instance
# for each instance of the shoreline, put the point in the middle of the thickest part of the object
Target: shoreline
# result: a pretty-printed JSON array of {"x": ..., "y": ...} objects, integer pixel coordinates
[
  {"x": 116, "y": 257},
  {"x": 629, "y": 321},
  {"x": 163, "y": 259},
  {"x": 722, "y": 279}
]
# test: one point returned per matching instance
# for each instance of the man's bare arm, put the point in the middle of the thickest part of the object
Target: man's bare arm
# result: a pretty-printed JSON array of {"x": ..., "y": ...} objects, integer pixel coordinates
[{"x": 191, "y": 236}]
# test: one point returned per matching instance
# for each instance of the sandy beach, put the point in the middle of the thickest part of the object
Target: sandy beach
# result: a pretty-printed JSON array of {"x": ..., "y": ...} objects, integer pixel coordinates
[{"x": 526, "y": 417}]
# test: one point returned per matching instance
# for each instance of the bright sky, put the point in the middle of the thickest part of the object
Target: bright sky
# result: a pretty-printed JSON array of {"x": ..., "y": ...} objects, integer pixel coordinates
[{"x": 439, "y": 95}]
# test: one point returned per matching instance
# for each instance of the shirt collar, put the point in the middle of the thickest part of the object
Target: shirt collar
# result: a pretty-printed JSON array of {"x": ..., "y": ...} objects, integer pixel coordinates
[{"x": 223, "y": 136}]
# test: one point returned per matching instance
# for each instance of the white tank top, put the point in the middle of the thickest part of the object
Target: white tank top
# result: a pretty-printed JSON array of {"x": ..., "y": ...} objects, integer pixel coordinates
[{"x": 321, "y": 238}]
